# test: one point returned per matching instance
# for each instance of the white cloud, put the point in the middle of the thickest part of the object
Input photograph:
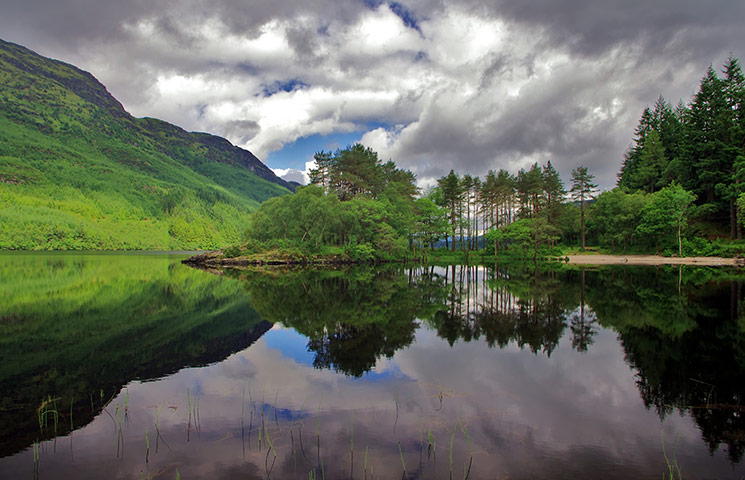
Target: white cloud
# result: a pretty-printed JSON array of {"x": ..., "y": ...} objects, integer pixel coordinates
[
  {"x": 293, "y": 175},
  {"x": 473, "y": 87}
]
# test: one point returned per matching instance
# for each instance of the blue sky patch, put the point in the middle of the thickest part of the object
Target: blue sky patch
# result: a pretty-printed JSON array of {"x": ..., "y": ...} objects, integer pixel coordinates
[
  {"x": 372, "y": 4},
  {"x": 406, "y": 15},
  {"x": 291, "y": 344},
  {"x": 283, "y": 86},
  {"x": 295, "y": 154}
]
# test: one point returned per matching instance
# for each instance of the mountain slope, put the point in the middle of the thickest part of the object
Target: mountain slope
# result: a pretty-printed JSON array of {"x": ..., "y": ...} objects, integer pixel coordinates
[{"x": 79, "y": 172}]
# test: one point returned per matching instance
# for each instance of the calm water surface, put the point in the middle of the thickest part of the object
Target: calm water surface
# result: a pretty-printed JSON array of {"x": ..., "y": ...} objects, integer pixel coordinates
[{"x": 135, "y": 366}]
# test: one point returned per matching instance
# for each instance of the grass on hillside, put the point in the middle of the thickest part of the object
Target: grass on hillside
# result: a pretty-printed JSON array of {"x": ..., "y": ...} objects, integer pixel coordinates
[{"x": 77, "y": 172}]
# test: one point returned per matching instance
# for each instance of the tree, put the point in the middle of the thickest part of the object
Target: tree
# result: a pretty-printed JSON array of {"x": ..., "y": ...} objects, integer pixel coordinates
[
  {"x": 450, "y": 188},
  {"x": 431, "y": 222},
  {"x": 321, "y": 175},
  {"x": 615, "y": 216},
  {"x": 652, "y": 163},
  {"x": 734, "y": 94},
  {"x": 554, "y": 192},
  {"x": 356, "y": 170},
  {"x": 529, "y": 185},
  {"x": 706, "y": 124},
  {"x": 666, "y": 214},
  {"x": 582, "y": 189}
]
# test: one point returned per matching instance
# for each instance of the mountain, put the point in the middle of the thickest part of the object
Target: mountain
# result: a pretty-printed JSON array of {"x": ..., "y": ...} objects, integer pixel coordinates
[{"x": 79, "y": 172}]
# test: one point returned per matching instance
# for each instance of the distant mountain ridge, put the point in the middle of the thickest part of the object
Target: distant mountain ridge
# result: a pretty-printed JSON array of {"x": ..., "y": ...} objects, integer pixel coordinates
[{"x": 77, "y": 171}]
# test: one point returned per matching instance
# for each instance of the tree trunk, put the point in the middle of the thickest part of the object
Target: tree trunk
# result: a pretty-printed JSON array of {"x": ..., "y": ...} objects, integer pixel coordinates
[
  {"x": 582, "y": 223},
  {"x": 732, "y": 219},
  {"x": 680, "y": 243}
]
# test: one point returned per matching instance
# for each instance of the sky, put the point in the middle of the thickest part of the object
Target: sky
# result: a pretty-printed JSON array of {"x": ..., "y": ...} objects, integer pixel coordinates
[{"x": 434, "y": 85}]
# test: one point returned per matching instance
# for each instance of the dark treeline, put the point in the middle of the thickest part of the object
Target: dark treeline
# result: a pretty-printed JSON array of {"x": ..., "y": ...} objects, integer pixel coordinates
[{"x": 699, "y": 148}]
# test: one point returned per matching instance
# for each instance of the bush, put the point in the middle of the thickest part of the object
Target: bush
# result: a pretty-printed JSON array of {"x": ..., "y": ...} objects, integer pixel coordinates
[{"x": 364, "y": 252}]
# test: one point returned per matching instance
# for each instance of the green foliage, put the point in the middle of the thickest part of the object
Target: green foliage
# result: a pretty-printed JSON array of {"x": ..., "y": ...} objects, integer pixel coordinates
[
  {"x": 698, "y": 146},
  {"x": 431, "y": 223},
  {"x": 527, "y": 238},
  {"x": 615, "y": 216},
  {"x": 665, "y": 215},
  {"x": 362, "y": 253},
  {"x": 364, "y": 208}
]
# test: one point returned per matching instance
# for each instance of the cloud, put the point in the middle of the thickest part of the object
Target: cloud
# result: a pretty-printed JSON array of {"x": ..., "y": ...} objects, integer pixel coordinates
[
  {"x": 434, "y": 85},
  {"x": 294, "y": 175}
]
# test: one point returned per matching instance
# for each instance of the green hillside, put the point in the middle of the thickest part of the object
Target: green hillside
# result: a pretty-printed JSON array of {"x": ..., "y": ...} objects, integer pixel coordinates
[{"x": 79, "y": 172}]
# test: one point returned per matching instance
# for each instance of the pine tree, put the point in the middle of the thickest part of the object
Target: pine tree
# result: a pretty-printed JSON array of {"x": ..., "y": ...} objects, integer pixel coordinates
[
  {"x": 553, "y": 191},
  {"x": 529, "y": 186},
  {"x": 321, "y": 175},
  {"x": 652, "y": 163},
  {"x": 734, "y": 94},
  {"x": 450, "y": 188},
  {"x": 706, "y": 120},
  {"x": 582, "y": 189}
]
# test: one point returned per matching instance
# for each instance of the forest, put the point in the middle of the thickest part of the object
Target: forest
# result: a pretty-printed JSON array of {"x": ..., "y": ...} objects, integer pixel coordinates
[{"x": 680, "y": 191}]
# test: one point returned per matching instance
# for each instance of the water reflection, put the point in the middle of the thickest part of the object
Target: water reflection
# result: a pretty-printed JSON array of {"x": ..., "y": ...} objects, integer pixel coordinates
[
  {"x": 427, "y": 372},
  {"x": 74, "y": 329},
  {"x": 352, "y": 317}
]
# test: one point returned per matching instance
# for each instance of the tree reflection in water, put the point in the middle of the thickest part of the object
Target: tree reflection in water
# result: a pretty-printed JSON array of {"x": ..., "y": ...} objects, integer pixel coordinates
[{"x": 681, "y": 328}]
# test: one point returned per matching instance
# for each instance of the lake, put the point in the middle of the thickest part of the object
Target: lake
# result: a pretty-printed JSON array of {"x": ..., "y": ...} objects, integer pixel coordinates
[{"x": 136, "y": 366}]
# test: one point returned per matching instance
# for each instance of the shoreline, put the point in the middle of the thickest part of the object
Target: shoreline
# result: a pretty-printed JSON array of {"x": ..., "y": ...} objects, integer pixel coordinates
[
  {"x": 216, "y": 259},
  {"x": 651, "y": 260}
]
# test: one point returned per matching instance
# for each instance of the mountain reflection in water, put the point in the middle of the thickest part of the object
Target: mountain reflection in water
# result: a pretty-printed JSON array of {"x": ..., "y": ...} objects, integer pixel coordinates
[{"x": 437, "y": 372}]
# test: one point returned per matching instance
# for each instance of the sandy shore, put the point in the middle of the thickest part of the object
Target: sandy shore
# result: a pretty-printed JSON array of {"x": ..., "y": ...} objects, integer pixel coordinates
[{"x": 648, "y": 260}]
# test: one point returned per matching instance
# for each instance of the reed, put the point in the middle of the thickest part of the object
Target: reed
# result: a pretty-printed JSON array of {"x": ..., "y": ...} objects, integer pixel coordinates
[
  {"x": 197, "y": 417},
  {"x": 243, "y": 406},
  {"x": 318, "y": 437},
  {"x": 401, "y": 454},
  {"x": 300, "y": 432},
  {"x": 188, "y": 403},
  {"x": 269, "y": 440},
  {"x": 452, "y": 439},
  {"x": 467, "y": 471},
  {"x": 48, "y": 408},
  {"x": 396, "y": 422},
  {"x": 276, "y": 396},
  {"x": 365, "y": 465},
  {"x": 673, "y": 470},
  {"x": 431, "y": 442},
  {"x": 251, "y": 416},
  {"x": 270, "y": 449},
  {"x": 263, "y": 404},
  {"x": 119, "y": 435},
  {"x": 147, "y": 447},
  {"x": 351, "y": 450}
]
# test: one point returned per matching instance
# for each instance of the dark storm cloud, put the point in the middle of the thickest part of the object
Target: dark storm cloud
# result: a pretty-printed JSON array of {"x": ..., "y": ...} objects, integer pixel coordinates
[
  {"x": 592, "y": 27},
  {"x": 242, "y": 129},
  {"x": 472, "y": 85}
]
